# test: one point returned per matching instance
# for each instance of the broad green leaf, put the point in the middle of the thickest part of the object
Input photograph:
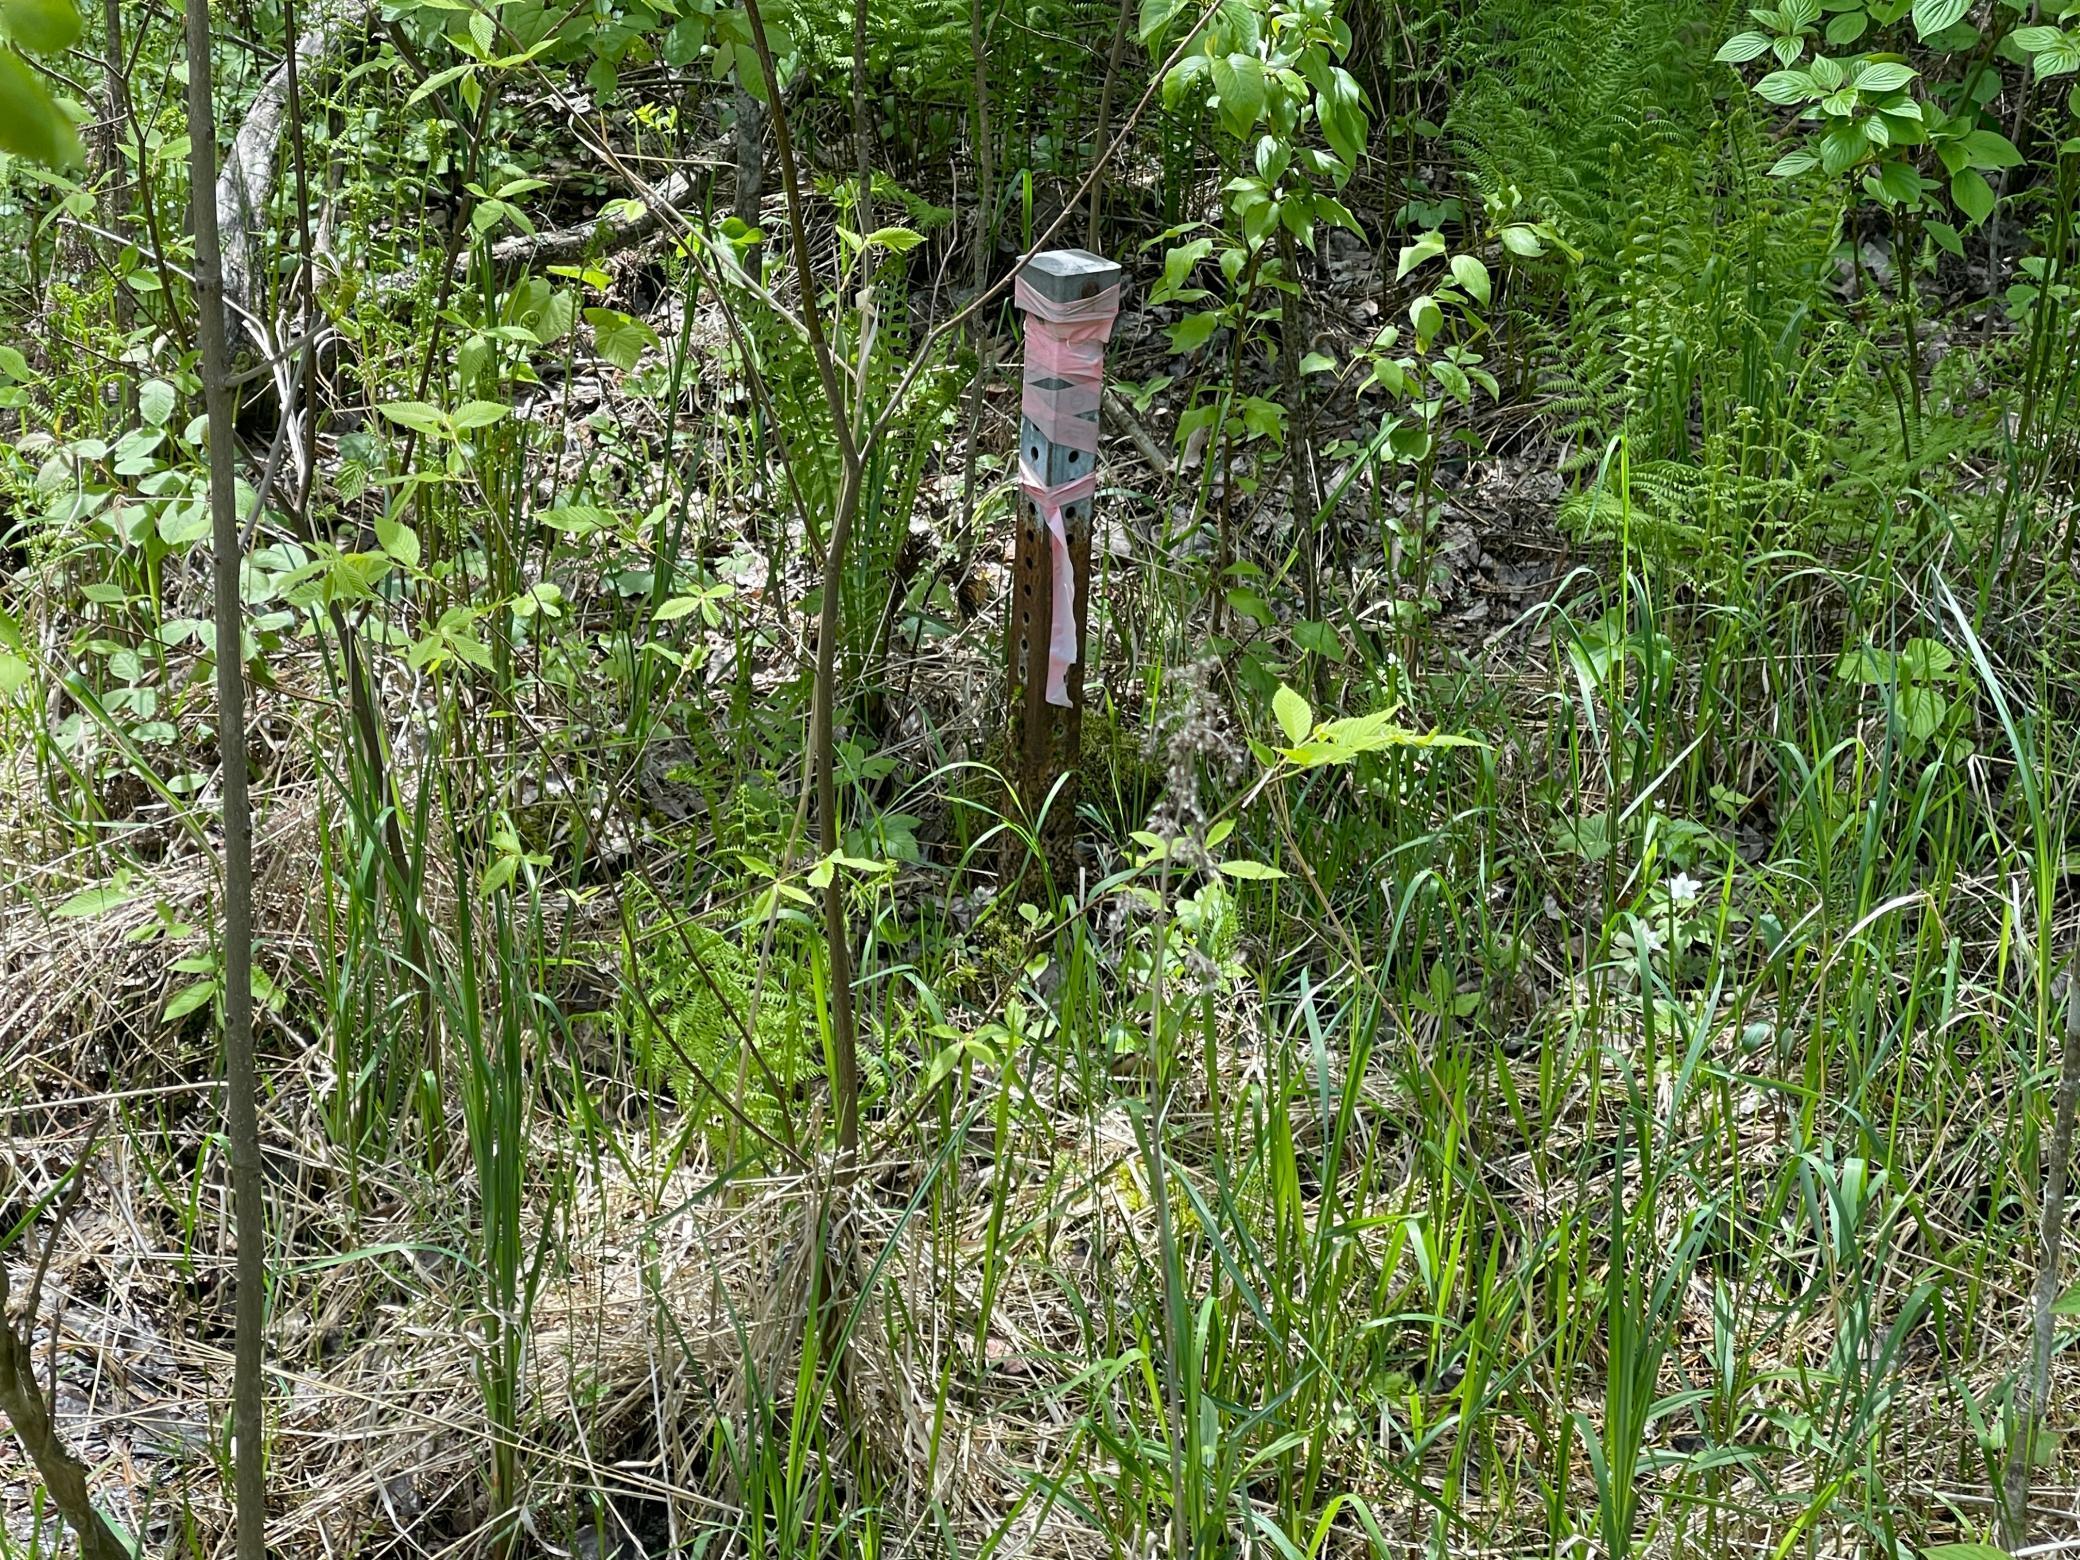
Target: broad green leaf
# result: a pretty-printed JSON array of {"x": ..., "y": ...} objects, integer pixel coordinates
[
  {"x": 40, "y": 26},
  {"x": 1428, "y": 247},
  {"x": 1741, "y": 48},
  {"x": 1293, "y": 714},
  {"x": 479, "y": 414},
  {"x": 898, "y": 239},
  {"x": 15, "y": 672},
  {"x": 1157, "y": 15},
  {"x": 155, "y": 401},
  {"x": 15, "y": 367},
  {"x": 95, "y": 901},
  {"x": 620, "y": 339},
  {"x": 1520, "y": 238},
  {"x": 1932, "y": 16},
  {"x": 417, "y": 416},
  {"x": 399, "y": 540},
  {"x": 675, "y": 608},
  {"x": 1884, "y": 76},
  {"x": 1974, "y": 196},
  {"x": 1251, "y": 871},
  {"x": 1846, "y": 28},
  {"x": 1471, "y": 275},
  {"x": 1990, "y": 149},
  {"x": 188, "y": 999},
  {"x": 31, "y": 123},
  {"x": 576, "y": 519},
  {"x": 1193, "y": 331},
  {"x": 1238, "y": 85},
  {"x": 1784, "y": 87}
]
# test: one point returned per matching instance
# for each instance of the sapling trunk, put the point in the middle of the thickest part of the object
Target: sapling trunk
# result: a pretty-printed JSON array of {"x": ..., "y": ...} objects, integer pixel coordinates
[{"x": 241, "y": 1072}]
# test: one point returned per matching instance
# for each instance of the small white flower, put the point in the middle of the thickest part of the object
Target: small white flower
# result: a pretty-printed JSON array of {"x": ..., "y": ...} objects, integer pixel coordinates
[{"x": 1683, "y": 889}]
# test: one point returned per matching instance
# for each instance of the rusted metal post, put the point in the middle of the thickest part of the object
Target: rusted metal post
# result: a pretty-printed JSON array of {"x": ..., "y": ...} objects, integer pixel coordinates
[{"x": 1070, "y": 298}]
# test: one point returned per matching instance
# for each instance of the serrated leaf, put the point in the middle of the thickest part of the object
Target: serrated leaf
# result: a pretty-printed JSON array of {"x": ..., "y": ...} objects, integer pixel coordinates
[
  {"x": 1295, "y": 718},
  {"x": 188, "y": 999},
  {"x": 675, "y": 608},
  {"x": 399, "y": 540},
  {"x": 93, "y": 901},
  {"x": 155, "y": 401},
  {"x": 479, "y": 414},
  {"x": 415, "y": 415}
]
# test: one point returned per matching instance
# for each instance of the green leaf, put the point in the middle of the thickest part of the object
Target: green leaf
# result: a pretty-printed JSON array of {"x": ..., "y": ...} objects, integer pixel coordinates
[
  {"x": 399, "y": 540},
  {"x": 1741, "y": 48},
  {"x": 1471, "y": 275},
  {"x": 1932, "y": 16},
  {"x": 479, "y": 414},
  {"x": 1990, "y": 149},
  {"x": 15, "y": 367},
  {"x": 417, "y": 416},
  {"x": 96, "y": 901},
  {"x": 1946, "y": 238},
  {"x": 1238, "y": 85},
  {"x": 1974, "y": 196},
  {"x": 188, "y": 999},
  {"x": 1157, "y": 15},
  {"x": 1784, "y": 87},
  {"x": 1520, "y": 238},
  {"x": 620, "y": 339},
  {"x": 1251, "y": 871},
  {"x": 1293, "y": 714},
  {"x": 31, "y": 123},
  {"x": 40, "y": 26},
  {"x": 1964, "y": 1552},
  {"x": 1793, "y": 163},
  {"x": 1884, "y": 76},
  {"x": 155, "y": 401},
  {"x": 1846, "y": 28},
  {"x": 1193, "y": 331},
  {"x": 1428, "y": 247},
  {"x": 899, "y": 239},
  {"x": 677, "y": 607}
]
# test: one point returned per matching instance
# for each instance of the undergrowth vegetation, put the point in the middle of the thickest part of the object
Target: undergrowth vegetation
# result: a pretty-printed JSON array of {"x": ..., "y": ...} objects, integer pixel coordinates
[{"x": 1539, "y": 1023}]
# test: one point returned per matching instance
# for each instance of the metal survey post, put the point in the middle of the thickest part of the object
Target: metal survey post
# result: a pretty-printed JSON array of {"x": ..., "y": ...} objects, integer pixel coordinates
[{"x": 1070, "y": 298}]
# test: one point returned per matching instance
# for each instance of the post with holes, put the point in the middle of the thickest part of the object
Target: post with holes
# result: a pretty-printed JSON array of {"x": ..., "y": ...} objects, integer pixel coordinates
[{"x": 1070, "y": 298}]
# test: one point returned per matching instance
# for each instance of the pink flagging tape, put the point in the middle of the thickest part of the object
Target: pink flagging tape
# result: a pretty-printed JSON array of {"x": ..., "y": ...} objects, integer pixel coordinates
[
  {"x": 1067, "y": 415},
  {"x": 1062, "y": 648},
  {"x": 1064, "y": 380},
  {"x": 1100, "y": 305}
]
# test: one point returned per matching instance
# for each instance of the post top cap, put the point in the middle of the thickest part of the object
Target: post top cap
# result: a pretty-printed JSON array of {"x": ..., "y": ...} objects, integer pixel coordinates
[{"x": 1065, "y": 275}]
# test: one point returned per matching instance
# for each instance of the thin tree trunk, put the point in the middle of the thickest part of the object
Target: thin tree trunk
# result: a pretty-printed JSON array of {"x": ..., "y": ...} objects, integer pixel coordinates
[
  {"x": 116, "y": 92},
  {"x": 241, "y": 1071},
  {"x": 2035, "y": 1389},
  {"x": 862, "y": 129},
  {"x": 822, "y": 716},
  {"x": 751, "y": 157},
  {"x": 1094, "y": 233}
]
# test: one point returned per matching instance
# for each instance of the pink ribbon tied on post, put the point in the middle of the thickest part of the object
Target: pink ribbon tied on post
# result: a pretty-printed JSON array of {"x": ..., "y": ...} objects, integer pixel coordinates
[{"x": 1064, "y": 381}]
